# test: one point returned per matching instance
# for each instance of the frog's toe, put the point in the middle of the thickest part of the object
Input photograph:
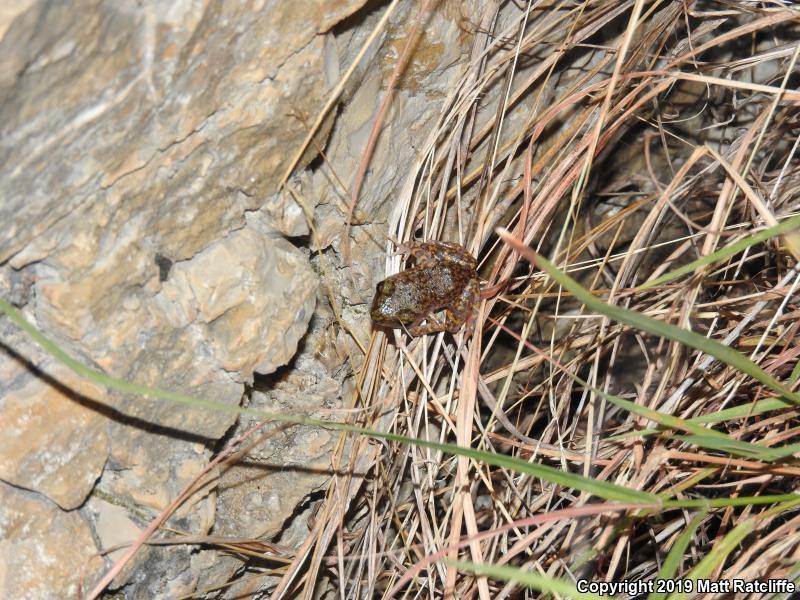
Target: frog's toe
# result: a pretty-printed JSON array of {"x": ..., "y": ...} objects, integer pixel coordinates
[
  {"x": 452, "y": 321},
  {"x": 469, "y": 325},
  {"x": 431, "y": 325},
  {"x": 404, "y": 248}
]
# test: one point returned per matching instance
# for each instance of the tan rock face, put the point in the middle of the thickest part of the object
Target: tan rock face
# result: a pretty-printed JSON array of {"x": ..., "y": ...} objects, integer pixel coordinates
[
  {"x": 53, "y": 442},
  {"x": 256, "y": 499},
  {"x": 139, "y": 142},
  {"x": 251, "y": 295},
  {"x": 141, "y": 80},
  {"x": 44, "y": 552}
]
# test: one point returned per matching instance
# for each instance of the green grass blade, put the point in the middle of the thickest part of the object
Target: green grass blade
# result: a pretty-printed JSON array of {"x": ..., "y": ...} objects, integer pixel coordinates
[
  {"x": 787, "y": 500},
  {"x": 564, "y": 589},
  {"x": 745, "y": 410},
  {"x": 727, "y": 445},
  {"x": 602, "y": 489},
  {"x": 781, "y": 452},
  {"x": 723, "y": 353},
  {"x": 669, "y": 569},
  {"x": 795, "y": 372},
  {"x": 784, "y": 226},
  {"x": 763, "y": 454},
  {"x": 704, "y": 437},
  {"x": 728, "y": 414},
  {"x": 716, "y": 556}
]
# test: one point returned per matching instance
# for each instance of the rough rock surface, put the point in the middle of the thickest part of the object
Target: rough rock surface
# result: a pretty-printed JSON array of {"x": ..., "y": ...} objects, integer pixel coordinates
[
  {"x": 235, "y": 286},
  {"x": 141, "y": 147},
  {"x": 45, "y": 552},
  {"x": 52, "y": 442}
]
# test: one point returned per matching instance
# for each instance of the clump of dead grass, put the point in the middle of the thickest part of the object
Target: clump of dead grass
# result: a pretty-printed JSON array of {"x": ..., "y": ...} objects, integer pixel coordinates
[{"x": 621, "y": 139}]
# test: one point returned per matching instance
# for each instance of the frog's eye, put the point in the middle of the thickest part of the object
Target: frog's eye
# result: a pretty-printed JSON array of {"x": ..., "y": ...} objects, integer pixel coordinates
[
  {"x": 386, "y": 288},
  {"x": 406, "y": 315}
]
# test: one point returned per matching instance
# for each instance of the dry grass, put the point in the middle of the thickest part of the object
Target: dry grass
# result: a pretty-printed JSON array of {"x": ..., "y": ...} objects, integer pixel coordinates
[{"x": 621, "y": 139}]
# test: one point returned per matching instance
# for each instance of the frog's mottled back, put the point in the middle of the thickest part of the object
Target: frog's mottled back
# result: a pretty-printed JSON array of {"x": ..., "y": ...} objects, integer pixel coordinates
[{"x": 443, "y": 277}]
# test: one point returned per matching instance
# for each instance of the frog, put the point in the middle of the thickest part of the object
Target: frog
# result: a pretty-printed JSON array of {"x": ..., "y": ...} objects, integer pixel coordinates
[{"x": 443, "y": 278}]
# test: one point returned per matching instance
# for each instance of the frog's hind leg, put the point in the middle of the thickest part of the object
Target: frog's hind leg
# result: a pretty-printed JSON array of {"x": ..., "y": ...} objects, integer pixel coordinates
[
  {"x": 424, "y": 253},
  {"x": 456, "y": 318},
  {"x": 464, "y": 310},
  {"x": 462, "y": 313},
  {"x": 430, "y": 254}
]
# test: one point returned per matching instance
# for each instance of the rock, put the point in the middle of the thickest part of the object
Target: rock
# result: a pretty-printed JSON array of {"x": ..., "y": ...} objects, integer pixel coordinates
[
  {"x": 145, "y": 87},
  {"x": 45, "y": 552},
  {"x": 257, "y": 498},
  {"x": 251, "y": 295},
  {"x": 114, "y": 527},
  {"x": 54, "y": 439},
  {"x": 283, "y": 214}
]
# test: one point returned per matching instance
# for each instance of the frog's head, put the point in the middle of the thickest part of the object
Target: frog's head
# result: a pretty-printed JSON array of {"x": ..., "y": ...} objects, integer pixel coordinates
[{"x": 391, "y": 305}]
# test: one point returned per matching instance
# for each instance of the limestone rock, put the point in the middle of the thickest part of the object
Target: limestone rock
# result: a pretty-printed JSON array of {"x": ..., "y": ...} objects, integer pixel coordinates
[
  {"x": 252, "y": 295},
  {"x": 45, "y": 552},
  {"x": 257, "y": 498},
  {"x": 142, "y": 80},
  {"x": 54, "y": 440},
  {"x": 114, "y": 527}
]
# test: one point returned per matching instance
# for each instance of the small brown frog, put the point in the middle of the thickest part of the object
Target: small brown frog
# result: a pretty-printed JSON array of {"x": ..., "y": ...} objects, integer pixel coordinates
[{"x": 443, "y": 277}]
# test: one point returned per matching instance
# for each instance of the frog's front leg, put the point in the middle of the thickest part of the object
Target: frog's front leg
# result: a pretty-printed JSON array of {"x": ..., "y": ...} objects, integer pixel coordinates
[{"x": 432, "y": 325}]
